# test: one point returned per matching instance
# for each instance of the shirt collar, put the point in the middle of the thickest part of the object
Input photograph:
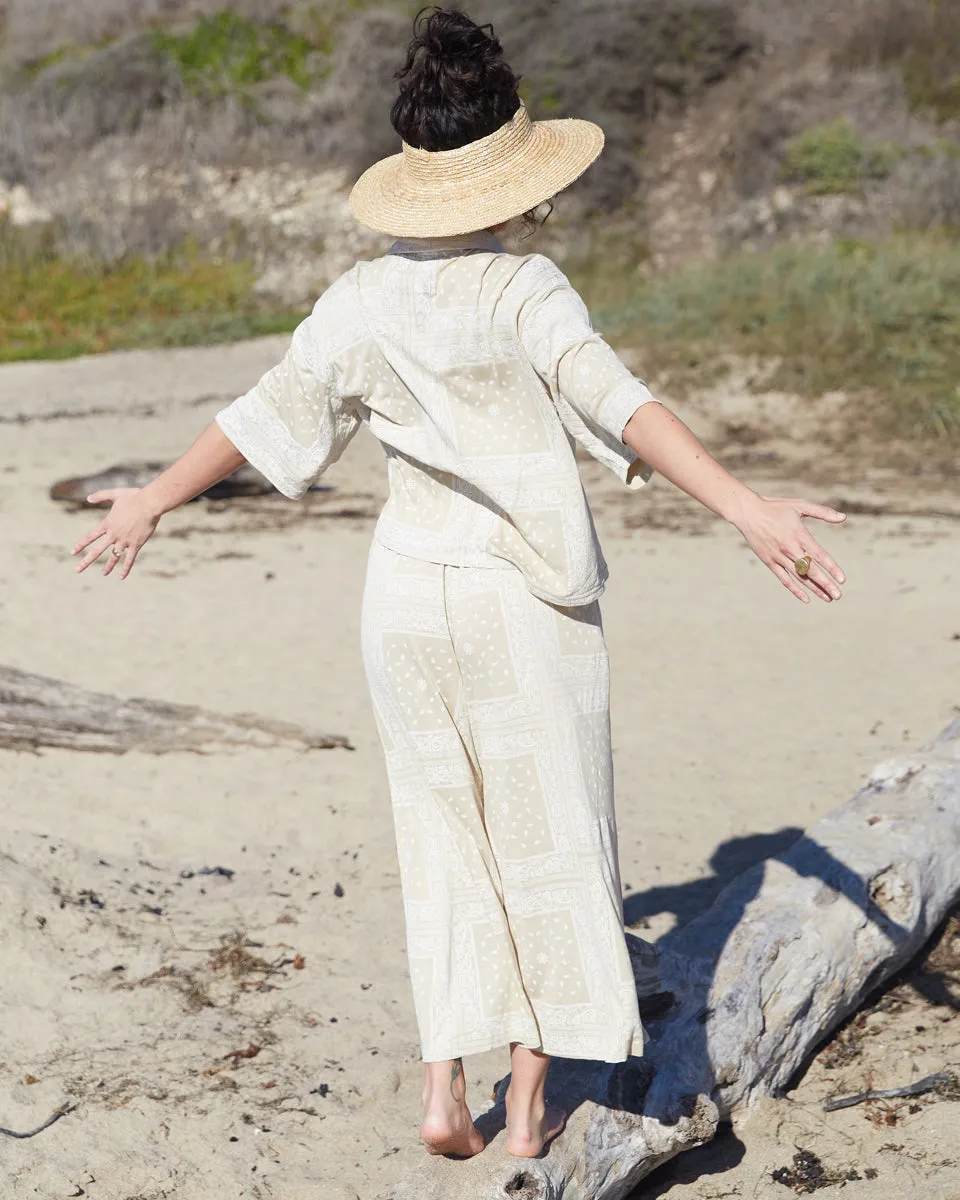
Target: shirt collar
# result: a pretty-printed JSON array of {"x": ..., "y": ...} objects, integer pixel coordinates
[{"x": 437, "y": 247}]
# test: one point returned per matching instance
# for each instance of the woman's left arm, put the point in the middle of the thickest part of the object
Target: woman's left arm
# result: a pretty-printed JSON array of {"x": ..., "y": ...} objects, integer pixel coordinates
[
  {"x": 772, "y": 528},
  {"x": 135, "y": 512}
]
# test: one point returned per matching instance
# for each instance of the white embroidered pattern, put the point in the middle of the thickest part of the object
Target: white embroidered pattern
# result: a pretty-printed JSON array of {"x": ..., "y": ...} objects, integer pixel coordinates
[
  {"x": 478, "y": 371},
  {"x": 493, "y": 711}
]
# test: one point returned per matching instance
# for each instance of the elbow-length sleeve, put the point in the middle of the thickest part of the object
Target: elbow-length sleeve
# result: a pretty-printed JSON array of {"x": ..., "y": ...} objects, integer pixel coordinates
[
  {"x": 594, "y": 392},
  {"x": 295, "y": 422}
]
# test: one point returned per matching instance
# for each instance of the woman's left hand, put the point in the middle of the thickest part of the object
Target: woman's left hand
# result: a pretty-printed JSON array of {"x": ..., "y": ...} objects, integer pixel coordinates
[
  {"x": 774, "y": 530},
  {"x": 123, "y": 531}
]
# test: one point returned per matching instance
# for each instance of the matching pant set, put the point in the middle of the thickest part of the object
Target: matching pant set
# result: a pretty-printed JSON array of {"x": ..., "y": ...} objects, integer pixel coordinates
[
  {"x": 493, "y": 708},
  {"x": 481, "y": 630}
]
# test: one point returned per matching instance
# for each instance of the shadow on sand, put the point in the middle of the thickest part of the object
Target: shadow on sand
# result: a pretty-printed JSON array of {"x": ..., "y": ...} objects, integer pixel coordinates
[{"x": 625, "y": 1086}]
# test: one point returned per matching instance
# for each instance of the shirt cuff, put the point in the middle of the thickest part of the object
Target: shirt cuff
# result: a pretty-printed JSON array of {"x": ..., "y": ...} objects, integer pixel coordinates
[{"x": 265, "y": 443}]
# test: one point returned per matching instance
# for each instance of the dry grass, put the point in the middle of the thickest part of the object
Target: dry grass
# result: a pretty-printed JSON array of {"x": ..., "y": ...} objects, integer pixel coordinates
[
  {"x": 233, "y": 957},
  {"x": 58, "y": 308},
  {"x": 195, "y": 991},
  {"x": 620, "y": 64},
  {"x": 170, "y": 84},
  {"x": 922, "y": 39},
  {"x": 316, "y": 80},
  {"x": 881, "y": 320},
  {"x": 36, "y": 28}
]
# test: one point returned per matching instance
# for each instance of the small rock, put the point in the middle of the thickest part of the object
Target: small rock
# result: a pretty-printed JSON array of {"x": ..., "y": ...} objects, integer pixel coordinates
[
  {"x": 19, "y": 207},
  {"x": 782, "y": 199}
]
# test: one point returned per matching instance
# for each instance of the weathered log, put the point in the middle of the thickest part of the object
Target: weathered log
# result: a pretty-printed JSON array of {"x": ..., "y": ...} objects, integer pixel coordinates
[
  {"x": 38, "y": 711},
  {"x": 245, "y": 481},
  {"x": 736, "y": 1000}
]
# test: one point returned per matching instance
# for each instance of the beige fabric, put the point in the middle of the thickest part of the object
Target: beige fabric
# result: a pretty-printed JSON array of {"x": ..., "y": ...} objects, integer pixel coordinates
[
  {"x": 493, "y": 710},
  {"x": 478, "y": 371},
  {"x": 430, "y": 193}
]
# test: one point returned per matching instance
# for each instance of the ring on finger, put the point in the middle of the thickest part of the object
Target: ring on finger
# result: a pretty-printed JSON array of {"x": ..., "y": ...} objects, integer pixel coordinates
[
  {"x": 114, "y": 551},
  {"x": 802, "y": 566}
]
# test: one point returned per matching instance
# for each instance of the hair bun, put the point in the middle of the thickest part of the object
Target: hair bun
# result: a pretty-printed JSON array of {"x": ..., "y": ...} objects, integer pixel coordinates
[
  {"x": 455, "y": 86},
  {"x": 450, "y": 36}
]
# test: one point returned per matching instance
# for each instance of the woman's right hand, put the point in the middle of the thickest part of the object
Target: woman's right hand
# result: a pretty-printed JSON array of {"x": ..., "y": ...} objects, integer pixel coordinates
[
  {"x": 123, "y": 531},
  {"x": 774, "y": 530}
]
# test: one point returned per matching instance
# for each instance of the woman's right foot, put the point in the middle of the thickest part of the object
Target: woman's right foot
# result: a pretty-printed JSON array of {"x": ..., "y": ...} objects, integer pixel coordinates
[{"x": 529, "y": 1132}]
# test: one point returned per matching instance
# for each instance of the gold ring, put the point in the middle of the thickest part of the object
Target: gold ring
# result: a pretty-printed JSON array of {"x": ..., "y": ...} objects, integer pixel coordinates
[
  {"x": 802, "y": 566},
  {"x": 114, "y": 550}
]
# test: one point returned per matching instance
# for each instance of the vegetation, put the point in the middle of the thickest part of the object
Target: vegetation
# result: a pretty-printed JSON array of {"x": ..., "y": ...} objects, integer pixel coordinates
[
  {"x": 877, "y": 319},
  {"x": 57, "y": 308},
  {"x": 226, "y": 53},
  {"x": 922, "y": 38},
  {"x": 832, "y": 157},
  {"x": 156, "y": 82}
]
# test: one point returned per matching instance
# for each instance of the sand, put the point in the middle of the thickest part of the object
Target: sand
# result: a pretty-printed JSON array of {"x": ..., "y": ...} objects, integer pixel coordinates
[{"x": 130, "y": 980}]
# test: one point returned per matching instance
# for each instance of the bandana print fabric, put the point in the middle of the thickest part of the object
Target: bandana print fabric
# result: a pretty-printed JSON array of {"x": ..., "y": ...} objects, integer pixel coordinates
[
  {"x": 479, "y": 372},
  {"x": 492, "y": 707}
]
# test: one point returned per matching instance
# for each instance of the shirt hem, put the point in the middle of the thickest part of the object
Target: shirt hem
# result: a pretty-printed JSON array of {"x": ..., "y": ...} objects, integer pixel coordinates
[{"x": 484, "y": 561}]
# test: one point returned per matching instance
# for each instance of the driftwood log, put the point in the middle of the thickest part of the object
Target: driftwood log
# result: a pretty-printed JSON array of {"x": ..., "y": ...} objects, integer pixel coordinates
[
  {"x": 736, "y": 1000},
  {"x": 245, "y": 481},
  {"x": 38, "y": 711}
]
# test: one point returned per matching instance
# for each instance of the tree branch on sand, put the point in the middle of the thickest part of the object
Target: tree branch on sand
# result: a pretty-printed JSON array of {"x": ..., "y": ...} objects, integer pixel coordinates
[
  {"x": 36, "y": 710},
  {"x": 245, "y": 481},
  {"x": 736, "y": 1000}
]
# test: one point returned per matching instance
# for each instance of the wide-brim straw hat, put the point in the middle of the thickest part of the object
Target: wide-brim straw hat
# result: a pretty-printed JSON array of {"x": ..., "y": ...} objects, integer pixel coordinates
[{"x": 438, "y": 193}]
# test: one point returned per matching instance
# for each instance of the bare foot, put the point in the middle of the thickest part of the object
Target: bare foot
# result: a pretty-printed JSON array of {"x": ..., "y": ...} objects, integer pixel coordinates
[
  {"x": 458, "y": 1138},
  {"x": 447, "y": 1125},
  {"x": 528, "y": 1134}
]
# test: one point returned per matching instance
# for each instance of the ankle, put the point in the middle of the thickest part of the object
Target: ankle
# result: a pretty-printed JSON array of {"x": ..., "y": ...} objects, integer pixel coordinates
[
  {"x": 530, "y": 1104},
  {"x": 444, "y": 1086}
]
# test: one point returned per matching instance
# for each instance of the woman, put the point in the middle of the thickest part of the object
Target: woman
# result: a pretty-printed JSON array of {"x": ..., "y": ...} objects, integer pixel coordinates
[{"x": 478, "y": 371}]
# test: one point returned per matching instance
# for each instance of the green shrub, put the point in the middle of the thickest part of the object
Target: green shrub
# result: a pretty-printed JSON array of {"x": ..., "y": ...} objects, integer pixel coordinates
[
  {"x": 228, "y": 53},
  {"x": 56, "y": 308},
  {"x": 878, "y": 320},
  {"x": 832, "y": 157}
]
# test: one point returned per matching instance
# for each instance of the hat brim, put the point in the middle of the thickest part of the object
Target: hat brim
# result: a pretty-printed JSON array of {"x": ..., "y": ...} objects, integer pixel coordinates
[{"x": 556, "y": 153}]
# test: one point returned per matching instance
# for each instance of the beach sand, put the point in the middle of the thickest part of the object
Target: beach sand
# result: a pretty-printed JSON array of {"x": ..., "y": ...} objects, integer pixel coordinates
[{"x": 253, "y": 1035}]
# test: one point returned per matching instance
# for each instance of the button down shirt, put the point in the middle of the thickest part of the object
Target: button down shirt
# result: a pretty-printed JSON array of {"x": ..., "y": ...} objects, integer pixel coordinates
[{"x": 479, "y": 372}]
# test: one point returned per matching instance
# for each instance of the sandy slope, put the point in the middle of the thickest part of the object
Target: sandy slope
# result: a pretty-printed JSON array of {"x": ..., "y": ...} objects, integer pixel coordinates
[{"x": 738, "y": 714}]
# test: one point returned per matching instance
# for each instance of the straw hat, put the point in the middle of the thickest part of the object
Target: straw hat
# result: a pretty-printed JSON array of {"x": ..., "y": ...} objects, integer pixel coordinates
[{"x": 424, "y": 193}]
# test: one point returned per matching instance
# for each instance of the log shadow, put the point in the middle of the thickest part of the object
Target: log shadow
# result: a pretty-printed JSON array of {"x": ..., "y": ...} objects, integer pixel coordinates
[
  {"x": 688, "y": 900},
  {"x": 624, "y": 1086},
  {"x": 725, "y": 1152},
  {"x": 721, "y": 901},
  {"x": 933, "y": 986}
]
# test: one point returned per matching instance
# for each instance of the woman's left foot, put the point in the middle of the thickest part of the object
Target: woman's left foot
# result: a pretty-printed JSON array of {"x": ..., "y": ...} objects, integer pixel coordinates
[
  {"x": 458, "y": 1138},
  {"x": 447, "y": 1125}
]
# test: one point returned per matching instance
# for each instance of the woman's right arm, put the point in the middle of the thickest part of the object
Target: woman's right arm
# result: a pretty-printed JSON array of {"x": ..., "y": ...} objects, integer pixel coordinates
[{"x": 135, "y": 512}]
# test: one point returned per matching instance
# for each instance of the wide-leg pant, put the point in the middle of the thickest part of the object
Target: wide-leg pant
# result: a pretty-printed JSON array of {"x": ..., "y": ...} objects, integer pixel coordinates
[{"x": 493, "y": 709}]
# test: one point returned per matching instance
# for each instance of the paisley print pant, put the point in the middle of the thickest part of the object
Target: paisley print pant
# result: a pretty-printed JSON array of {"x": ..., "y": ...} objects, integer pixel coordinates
[{"x": 493, "y": 709}]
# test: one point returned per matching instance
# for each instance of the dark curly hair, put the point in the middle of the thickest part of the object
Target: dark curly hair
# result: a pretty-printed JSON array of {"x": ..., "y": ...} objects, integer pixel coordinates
[{"x": 455, "y": 86}]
